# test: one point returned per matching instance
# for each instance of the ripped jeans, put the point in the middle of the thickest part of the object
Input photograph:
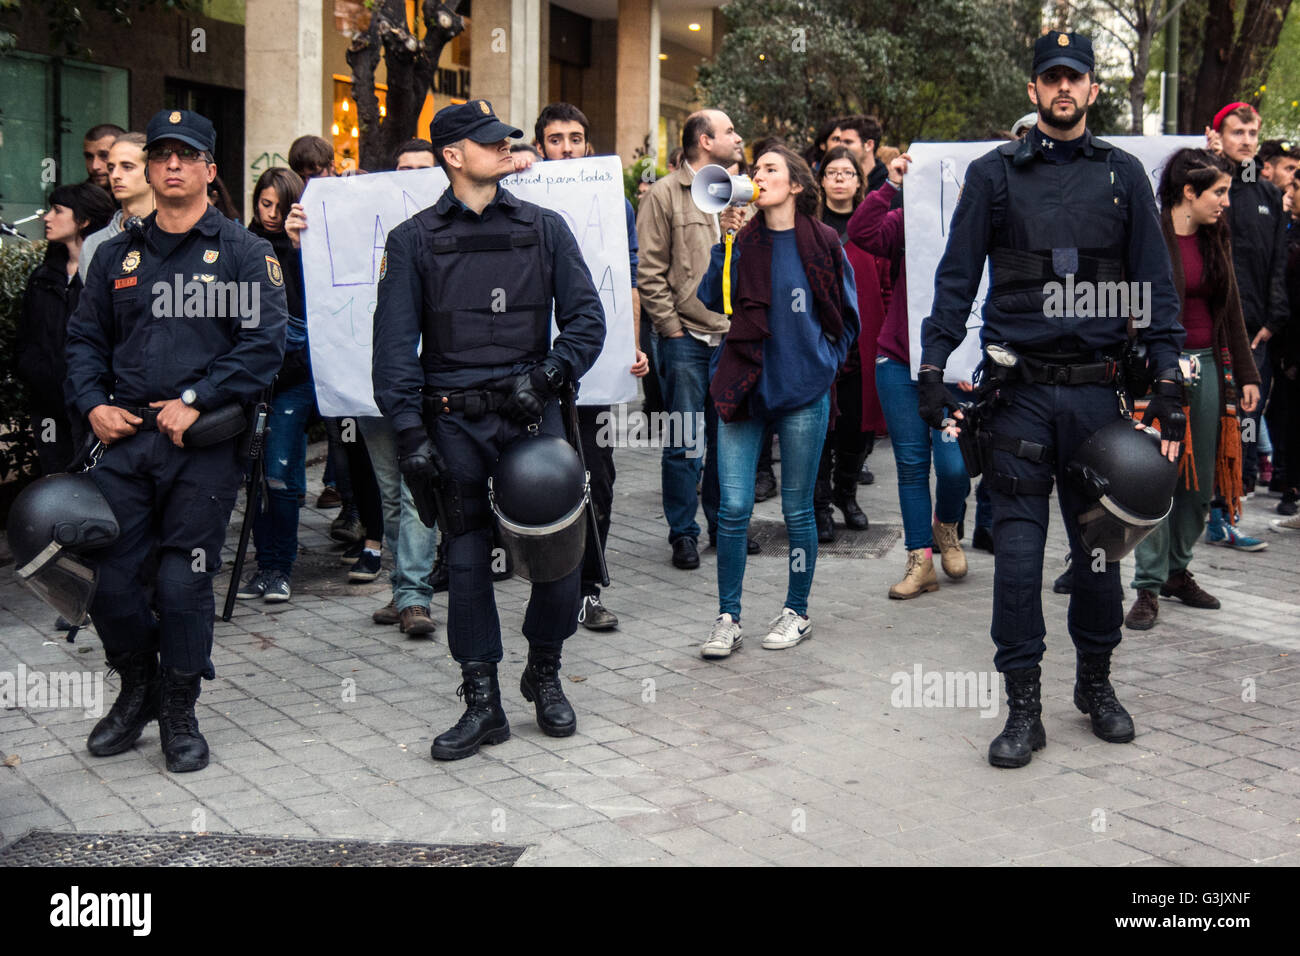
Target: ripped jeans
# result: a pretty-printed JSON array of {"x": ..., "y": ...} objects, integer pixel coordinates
[{"x": 275, "y": 530}]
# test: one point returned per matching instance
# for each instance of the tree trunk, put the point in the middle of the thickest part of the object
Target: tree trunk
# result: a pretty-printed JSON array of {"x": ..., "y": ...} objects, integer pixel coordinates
[
  {"x": 1231, "y": 58},
  {"x": 410, "y": 65}
]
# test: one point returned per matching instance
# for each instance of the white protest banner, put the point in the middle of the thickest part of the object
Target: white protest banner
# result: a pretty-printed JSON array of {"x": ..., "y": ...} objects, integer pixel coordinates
[
  {"x": 349, "y": 219},
  {"x": 933, "y": 183}
]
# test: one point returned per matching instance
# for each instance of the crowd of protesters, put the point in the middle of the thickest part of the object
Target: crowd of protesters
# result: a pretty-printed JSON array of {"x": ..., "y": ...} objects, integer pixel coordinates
[{"x": 819, "y": 384}]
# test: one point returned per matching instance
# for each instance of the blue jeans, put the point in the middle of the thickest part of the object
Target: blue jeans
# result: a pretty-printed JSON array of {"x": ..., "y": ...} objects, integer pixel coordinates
[
  {"x": 275, "y": 529},
  {"x": 683, "y": 367},
  {"x": 914, "y": 443},
  {"x": 802, "y": 433},
  {"x": 414, "y": 543}
]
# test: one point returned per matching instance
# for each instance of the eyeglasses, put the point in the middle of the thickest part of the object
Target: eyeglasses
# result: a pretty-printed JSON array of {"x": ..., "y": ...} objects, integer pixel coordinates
[
  {"x": 187, "y": 154},
  {"x": 838, "y": 174}
]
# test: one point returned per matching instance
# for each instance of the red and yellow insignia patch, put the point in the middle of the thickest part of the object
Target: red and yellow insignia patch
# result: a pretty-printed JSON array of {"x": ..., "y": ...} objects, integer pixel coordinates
[{"x": 383, "y": 265}]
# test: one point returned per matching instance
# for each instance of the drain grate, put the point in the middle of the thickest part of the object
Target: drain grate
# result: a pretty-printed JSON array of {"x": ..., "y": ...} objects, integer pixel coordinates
[
  {"x": 875, "y": 542},
  {"x": 50, "y": 848}
]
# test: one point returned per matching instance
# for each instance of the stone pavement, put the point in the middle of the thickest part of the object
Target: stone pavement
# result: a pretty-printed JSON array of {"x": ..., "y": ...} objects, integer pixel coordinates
[{"x": 320, "y": 722}]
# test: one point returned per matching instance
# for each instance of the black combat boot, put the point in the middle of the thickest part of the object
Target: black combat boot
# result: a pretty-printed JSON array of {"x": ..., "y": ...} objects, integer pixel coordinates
[
  {"x": 1023, "y": 733},
  {"x": 845, "y": 494},
  {"x": 484, "y": 722},
  {"x": 1094, "y": 696},
  {"x": 540, "y": 685},
  {"x": 822, "y": 511},
  {"x": 182, "y": 744},
  {"x": 136, "y": 704}
]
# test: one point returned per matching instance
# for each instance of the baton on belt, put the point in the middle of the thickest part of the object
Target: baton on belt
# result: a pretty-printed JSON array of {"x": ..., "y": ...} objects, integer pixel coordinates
[{"x": 570, "y": 400}]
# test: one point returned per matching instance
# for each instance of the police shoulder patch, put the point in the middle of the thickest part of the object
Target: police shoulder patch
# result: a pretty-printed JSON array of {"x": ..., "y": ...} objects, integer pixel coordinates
[
  {"x": 383, "y": 265},
  {"x": 273, "y": 270}
]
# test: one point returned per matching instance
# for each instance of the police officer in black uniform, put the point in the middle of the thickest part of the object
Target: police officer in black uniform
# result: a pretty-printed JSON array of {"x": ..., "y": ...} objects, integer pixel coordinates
[
  {"x": 183, "y": 316},
  {"x": 1057, "y": 203},
  {"x": 474, "y": 276}
]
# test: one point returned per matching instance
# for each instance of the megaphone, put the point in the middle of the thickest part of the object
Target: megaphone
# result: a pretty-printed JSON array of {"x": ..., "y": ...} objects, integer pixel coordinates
[{"x": 714, "y": 189}]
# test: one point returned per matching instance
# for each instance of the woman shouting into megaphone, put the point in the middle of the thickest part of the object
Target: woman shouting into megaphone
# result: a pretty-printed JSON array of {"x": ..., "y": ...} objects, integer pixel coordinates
[{"x": 793, "y": 320}]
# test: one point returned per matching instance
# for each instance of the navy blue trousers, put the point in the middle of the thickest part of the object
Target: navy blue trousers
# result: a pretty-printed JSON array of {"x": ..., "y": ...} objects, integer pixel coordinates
[
  {"x": 173, "y": 504},
  {"x": 471, "y": 450},
  {"x": 1061, "y": 417}
]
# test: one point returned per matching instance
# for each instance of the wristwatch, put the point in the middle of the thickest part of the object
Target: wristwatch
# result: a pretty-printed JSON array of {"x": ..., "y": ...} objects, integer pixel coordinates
[{"x": 189, "y": 397}]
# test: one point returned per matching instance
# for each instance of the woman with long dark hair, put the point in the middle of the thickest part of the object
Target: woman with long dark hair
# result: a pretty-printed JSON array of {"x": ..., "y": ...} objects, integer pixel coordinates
[
  {"x": 52, "y": 294},
  {"x": 878, "y": 227},
  {"x": 793, "y": 308},
  {"x": 1216, "y": 359},
  {"x": 275, "y": 529},
  {"x": 853, "y": 433}
]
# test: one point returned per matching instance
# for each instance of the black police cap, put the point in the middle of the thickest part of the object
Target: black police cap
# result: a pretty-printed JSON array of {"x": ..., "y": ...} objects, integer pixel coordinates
[
  {"x": 184, "y": 125},
  {"x": 1063, "y": 49},
  {"x": 473, "y": 120}
]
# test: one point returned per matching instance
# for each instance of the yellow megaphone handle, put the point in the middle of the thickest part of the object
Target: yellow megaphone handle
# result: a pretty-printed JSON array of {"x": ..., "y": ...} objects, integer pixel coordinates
[{"x": 726, "y": 276}]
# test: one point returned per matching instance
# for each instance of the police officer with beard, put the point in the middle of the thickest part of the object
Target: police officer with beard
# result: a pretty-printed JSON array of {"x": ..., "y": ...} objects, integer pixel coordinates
[
  {"x": 1057, "y": 204},
  {"x": 463, "y": 367},
  {"x": 182, "y": 322}
]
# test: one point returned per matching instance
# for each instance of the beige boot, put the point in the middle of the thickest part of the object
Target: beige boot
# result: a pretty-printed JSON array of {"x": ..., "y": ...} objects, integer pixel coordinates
[
  {"x": 948, "y": 545},
  {"x": 920, "y": 576}
]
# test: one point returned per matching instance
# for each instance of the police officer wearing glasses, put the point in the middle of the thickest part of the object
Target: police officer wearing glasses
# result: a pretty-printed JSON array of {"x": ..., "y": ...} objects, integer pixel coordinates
[
  {"x": 464, "y": 366},
  {"x": 182, "y": 323},
  {"x": 1056, "y": 207}
]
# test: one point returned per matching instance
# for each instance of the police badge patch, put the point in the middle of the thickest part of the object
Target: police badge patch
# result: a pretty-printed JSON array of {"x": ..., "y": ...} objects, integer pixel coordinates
[
  {"x": 132, "y": 261},
  {"x": 210, "y": 256},
  {"x": 383, "y": 265},
  {"x": 273, "y": 270}
]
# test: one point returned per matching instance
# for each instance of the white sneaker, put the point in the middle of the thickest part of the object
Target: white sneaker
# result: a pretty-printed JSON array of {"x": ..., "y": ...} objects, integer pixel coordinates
[
  {"x": 723, "y": 639},
  {"x": 786, "y": 630},
  {"x": 1286, "y": 524}
]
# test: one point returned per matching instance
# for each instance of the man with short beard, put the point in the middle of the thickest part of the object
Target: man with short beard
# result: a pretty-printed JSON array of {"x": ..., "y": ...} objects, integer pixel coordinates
[
  {"x": 1056, "y": 203},
  {"x": 1258, "y": 225}
]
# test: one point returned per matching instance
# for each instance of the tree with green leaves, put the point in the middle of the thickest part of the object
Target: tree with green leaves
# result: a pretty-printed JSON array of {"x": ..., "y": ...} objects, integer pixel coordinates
[{"x": 946, "y": 69}]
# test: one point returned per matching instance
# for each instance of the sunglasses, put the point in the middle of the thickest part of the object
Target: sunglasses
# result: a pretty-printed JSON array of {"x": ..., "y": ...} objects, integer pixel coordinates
[{"x": 187, "y": 154}]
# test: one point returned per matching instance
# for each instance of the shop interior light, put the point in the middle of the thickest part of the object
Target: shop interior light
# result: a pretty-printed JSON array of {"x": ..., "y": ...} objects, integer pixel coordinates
[{"x": 335, "y": 129}]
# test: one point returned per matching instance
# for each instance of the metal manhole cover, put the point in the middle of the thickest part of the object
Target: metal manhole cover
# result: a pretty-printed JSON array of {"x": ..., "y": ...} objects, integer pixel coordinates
[
  {"x": 875, "y": 542},
  {"x": 49, "y": 848}
]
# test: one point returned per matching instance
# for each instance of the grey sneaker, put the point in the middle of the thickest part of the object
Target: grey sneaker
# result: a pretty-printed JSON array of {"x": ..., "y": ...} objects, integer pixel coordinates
[
  {"x": 723, "y": 639},
  {"x": 254, "y": 587},
  {"x": 594, "y": 616},
  {"x": 786, "y": 630},
  {"x": 277, "y": 588}
]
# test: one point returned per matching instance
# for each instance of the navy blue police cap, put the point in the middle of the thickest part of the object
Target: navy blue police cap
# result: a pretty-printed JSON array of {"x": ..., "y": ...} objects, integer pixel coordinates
[
  {"x": 185, "y": 126},
  {"x": 1062, "y": 49},
  {"x": 473, "y": 120}
]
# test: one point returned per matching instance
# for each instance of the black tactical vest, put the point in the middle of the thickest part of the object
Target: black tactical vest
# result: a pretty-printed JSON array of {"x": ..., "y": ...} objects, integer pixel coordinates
[
  {"x": 488, "y": 288},
  {"x": 1053, "y": 220}
]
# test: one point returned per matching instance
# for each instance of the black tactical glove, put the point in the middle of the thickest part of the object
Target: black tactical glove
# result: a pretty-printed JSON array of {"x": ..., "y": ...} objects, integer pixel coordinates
[
  {"x": 531, "y": 391},
  {"x": 1166, "y": 406},
  {"x": 416, "y": 455},
  {"x": 933, "y": 399}
]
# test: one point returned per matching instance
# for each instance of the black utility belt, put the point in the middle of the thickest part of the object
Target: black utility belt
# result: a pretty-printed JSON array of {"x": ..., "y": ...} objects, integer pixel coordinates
[
  {"x": 210, "y": 428},
  {"x": 1057, "y": 372},
  {"x": 473, "y": 403}
]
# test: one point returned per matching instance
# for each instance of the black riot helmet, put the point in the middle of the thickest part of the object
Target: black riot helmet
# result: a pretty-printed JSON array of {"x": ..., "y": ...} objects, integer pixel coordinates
[
  {"x": 52, "y": 524},
  {"x": 1128, "y": 483},
  {"x": 539, "y": 496}
]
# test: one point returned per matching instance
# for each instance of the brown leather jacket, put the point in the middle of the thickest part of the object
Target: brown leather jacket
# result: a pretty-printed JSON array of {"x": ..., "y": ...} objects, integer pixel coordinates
[{"x": 674, "y": 238}]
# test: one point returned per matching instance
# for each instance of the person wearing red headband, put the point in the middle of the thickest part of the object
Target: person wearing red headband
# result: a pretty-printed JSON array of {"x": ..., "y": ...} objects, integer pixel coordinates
[{"x": 1257, "y": 221}]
